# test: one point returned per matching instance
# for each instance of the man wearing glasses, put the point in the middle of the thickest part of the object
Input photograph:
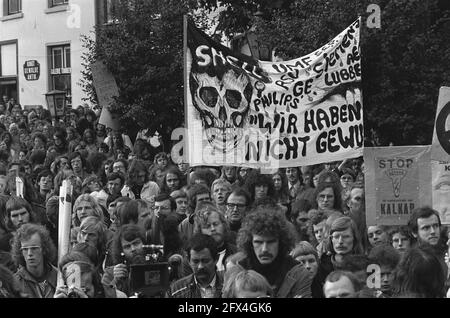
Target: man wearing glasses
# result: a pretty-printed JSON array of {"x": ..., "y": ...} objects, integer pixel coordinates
[
  {"x": 237, "y": 207},
  {"x": 34, "y": 251}
]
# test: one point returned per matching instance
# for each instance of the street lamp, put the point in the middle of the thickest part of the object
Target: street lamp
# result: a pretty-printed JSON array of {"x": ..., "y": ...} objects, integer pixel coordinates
[
  {"x": 56, "y": 103},
  {"x": 258, "y": 49}
]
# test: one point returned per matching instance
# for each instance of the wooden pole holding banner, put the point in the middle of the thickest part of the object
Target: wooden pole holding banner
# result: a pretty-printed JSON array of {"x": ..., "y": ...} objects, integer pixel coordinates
[
  {"x": 19, "y": 187},
  {"x": 64, "y": 223},
  {"x": 186, "y": 83}
]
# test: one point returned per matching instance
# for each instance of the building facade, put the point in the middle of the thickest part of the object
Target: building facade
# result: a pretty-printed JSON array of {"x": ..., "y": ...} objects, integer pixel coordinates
[{"x": 41, "y": 48}]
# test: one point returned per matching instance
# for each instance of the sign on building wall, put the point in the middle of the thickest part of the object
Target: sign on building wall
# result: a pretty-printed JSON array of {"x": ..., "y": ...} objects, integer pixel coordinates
[
  {"x": 440, "y": 157},
  {"x": 397, "y": 180},
  {"x": 32, "y": 70}
]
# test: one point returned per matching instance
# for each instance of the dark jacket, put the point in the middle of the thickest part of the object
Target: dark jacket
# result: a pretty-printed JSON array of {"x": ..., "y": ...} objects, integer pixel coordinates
[
  {"x": 187, "y": 288},
  {"x": 34, "y": 289},
  {"x": 295, "y": 280}
]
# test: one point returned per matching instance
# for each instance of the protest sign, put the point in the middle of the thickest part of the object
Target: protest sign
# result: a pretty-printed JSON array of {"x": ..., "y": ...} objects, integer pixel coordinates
[
  {"x": 241, "y": 111},
  {"x": 64, "y": 221},
  {"x": 440, "y": 157},
  {"x": 105, "y": 88},
  {"x": 397, "y": 180}
]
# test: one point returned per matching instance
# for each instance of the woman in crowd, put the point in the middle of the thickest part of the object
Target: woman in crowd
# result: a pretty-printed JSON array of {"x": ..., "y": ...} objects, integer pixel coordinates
[{"x": 280, "y": 185}]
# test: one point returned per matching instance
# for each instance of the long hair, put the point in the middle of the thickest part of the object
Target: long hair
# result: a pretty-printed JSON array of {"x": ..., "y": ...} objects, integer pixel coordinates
[
  {"x": 342, "y": 224},
  {"x": 94, "y": 224},
  {"x": 336, "y": 191},
  {"x": 259, "y": 179},
  {"x": 284, "y": 191},
  {"x": 176, "y": 172},
  {"x": 419, "y": 273},
  {"x": 17, "y": 203},
  {"x": 24, "y": 233},
  {"x": 265, "y": 221},
  {"x": 98, "y": 212},
  {"x": 134, "y": 168}
]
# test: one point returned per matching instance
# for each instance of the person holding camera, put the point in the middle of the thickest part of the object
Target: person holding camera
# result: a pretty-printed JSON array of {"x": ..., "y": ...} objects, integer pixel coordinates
[
  {"x": 127, "y": 248},
  {"x": 81, "y": 279}
]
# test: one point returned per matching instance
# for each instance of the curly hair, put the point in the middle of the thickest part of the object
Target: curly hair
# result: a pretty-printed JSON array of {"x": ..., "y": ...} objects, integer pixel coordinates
[
  {"x": 259, "y": 179},
  {"x": 265, "y": 221},
  {"x": 25, "y": 232}
]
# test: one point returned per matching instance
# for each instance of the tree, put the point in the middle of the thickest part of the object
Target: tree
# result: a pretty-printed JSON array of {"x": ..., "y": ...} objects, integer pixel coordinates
[
  {"x": 404, "y": 62},
  {"x": 144, "y": 51}
]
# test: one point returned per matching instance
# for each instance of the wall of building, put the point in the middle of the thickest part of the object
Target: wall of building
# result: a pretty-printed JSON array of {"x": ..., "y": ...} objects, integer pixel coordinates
[{"x": 39, "y": 28}]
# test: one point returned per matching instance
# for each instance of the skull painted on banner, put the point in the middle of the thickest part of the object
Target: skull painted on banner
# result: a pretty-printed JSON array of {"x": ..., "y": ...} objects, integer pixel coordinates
[{"x": 223, "y": 106}]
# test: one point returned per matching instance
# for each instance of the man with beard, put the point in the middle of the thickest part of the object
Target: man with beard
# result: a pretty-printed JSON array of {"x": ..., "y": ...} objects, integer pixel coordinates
[
  {"x": 264, "y": 243},
  {"x": 127, "y": 249},
  {"x": 356, "y": 211},
  {"x": 301, "y": 220},
  {"x": 425, "y": 225},
  {"x": 205, "y": 281}
]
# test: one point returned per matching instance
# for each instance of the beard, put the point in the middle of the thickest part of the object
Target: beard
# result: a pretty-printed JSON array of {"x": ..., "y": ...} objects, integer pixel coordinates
[{"x": 138, "y": 258}]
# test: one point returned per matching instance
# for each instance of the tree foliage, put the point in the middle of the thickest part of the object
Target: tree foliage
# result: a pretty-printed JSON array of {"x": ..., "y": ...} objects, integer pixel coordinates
[{"x": 143, "y": 49}]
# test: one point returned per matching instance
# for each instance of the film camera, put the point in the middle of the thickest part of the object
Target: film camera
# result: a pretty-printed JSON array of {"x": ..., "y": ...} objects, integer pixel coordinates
[{"x": 151, "y": 278}]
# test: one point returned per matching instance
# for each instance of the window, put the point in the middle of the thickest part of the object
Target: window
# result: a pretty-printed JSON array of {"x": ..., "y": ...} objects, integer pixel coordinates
[
  {"x": 13, "y": 6},
  {"x": 60, "y": 70},
  {"x": 8, "y": 70},
  {"x": 54, "y": 3}
]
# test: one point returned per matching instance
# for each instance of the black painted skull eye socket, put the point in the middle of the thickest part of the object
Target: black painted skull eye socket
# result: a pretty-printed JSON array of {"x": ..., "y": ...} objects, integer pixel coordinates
[
  {"x": 209, "y": 96},
  {"x": 233, "y": 98}
]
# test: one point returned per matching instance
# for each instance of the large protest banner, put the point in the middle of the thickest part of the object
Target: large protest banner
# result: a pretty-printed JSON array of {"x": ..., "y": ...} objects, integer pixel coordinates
[
  {"x": 397, "y": 180},
  {"x": 241, "y": 111},
  {"x": 440, "y": 157}
]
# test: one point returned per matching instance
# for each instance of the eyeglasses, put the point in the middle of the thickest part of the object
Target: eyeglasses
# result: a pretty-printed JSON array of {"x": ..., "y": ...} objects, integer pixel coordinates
[
  {"x": 346, "y": 178},
  {"x": 157, "y": 208},
  {"x": 325, "y": 196},
  {"x": 232, "y": 206}
]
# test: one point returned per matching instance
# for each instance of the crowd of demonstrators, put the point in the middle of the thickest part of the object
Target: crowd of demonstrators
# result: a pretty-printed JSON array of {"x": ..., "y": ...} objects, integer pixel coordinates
[{"x": 225, "y": 231}]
